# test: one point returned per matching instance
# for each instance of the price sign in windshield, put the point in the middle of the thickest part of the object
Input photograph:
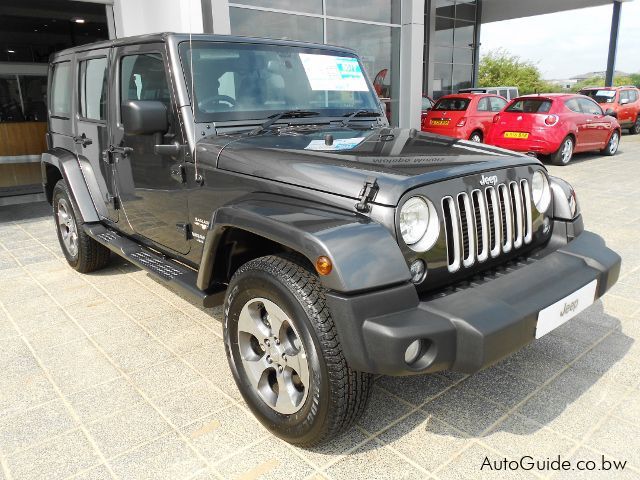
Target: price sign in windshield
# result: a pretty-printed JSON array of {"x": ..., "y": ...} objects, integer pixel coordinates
[{"x": 328, "y": 72}]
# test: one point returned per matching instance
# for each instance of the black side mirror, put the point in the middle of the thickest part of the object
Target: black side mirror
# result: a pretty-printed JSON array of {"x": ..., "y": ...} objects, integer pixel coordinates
[
  {"x": 144, "y": 117},
  {"x": 610, "y": 112}
]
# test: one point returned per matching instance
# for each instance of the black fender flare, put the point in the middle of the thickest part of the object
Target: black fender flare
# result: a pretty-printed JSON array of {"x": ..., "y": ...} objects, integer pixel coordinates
[
  {"x": 70, "y": 168},
  {"x": 364, "y": 254}
]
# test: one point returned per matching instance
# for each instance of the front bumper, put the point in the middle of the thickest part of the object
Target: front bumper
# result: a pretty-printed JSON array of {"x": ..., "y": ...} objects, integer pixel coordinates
[{"x": 472, "y": 328}]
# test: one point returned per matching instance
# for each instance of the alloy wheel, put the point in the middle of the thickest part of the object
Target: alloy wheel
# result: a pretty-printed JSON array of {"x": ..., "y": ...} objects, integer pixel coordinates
[
  {"x": 567, "y": 151},
  {"x": 67, "y": 226},
  {"x": 273, "y": 355},
  {"x": 614, "y": 142}
]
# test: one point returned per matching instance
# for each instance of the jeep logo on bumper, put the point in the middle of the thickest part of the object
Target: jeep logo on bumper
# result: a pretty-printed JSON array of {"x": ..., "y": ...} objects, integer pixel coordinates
[{"x": 492, "y": 180}]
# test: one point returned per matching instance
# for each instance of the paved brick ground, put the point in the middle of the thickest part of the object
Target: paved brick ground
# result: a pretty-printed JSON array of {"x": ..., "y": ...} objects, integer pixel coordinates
[{"x": 111, "y": 375}]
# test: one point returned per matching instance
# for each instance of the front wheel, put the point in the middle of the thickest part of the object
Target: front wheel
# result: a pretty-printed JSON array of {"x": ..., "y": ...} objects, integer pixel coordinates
[
  {"x": 635, "y": 130},
  {"x": 563, "y": 155},
  {"x": 285, "y": 354},
  {"x": 612, "y": 144}
]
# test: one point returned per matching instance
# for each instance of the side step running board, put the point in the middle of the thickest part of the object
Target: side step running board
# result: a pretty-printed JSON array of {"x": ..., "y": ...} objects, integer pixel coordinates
[{"x": 156, "y": 264}]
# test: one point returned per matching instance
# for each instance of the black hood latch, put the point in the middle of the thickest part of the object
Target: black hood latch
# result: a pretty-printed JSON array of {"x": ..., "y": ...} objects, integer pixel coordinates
[{"x": 367, "y": 195}]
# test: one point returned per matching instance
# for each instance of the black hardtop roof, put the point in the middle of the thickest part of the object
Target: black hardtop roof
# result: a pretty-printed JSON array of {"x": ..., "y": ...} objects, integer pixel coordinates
[{"x": 181, "y": 37}]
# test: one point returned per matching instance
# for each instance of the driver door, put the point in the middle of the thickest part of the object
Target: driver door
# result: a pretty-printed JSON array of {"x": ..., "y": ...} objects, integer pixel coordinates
[{"x": 150, "y": 188}]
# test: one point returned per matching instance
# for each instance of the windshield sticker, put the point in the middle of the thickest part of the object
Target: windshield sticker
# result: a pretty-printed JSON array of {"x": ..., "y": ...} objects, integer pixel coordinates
[
  {"x": 338, "y": 144},
  {"x": 326, "y": 72},
  {"x": 606, "y": 93}
]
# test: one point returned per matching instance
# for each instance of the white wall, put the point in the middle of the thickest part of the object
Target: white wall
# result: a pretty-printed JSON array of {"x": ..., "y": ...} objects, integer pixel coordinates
[{"x": 138, "y": 17}]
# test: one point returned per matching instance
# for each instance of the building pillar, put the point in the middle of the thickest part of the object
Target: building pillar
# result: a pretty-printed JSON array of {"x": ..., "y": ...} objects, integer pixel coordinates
[
  {"x": 411, "y": 56},
  {"x": 139, "y": 17},
  {"x": 215, "y": 17},
  {"x": 613, "y": 42},
  {"x": 476, "y": 44}
]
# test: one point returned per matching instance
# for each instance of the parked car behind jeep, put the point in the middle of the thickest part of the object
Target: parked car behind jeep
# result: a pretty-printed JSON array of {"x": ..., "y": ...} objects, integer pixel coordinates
[
  {"x": 263, "y": 174},
  {"x": 620, "y": 102}
]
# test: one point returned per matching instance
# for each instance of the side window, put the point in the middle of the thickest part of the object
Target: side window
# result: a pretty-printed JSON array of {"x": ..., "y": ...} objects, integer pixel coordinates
[
  {"x": 624, "y": 95},
  {"x": 93, "y": 88},
  {"x": 573, "y": 105},
  {"x": 497, "y": 103},
  {"x": 503, "y": 93},
  {"x": 633, "y": 95},
  {"x": 483, "y": 105},
  {"x": 142, "y": 77},
  {"x": 589, "y": 107},
  {"x": 513, "y": 93},
  {"x": 61, "y": 90}
]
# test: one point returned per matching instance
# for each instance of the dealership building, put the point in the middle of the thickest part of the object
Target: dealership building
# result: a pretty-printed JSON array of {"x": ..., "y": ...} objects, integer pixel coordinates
[{"x": 410, "y": 47}]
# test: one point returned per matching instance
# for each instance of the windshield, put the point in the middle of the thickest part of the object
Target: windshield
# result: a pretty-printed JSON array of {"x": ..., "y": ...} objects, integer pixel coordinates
[
  {"x": 537, "y": 105},
  {"x": 234, "y": 81},
  {"x": 600, "y": 96},
  {"x": 452, "y": 104}
]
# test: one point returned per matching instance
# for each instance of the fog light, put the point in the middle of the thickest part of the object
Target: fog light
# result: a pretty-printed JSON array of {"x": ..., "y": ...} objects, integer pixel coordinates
[
  {"x": 413, "y": 351},
  {"x": 418, "y": 270}
]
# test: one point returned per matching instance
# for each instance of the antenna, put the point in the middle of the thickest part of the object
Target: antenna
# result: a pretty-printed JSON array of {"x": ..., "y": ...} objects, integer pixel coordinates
[{"x": 193, "y": 95}]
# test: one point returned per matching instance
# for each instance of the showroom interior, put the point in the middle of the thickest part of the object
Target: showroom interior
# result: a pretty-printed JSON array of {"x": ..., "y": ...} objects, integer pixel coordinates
[{"x": 410, "y": 48}]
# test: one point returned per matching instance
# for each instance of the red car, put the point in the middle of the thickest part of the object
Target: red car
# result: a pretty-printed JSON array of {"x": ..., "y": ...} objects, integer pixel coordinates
[
  {"x": 557, "y": 125},
  {"x": 620, "y": 102},
  {"x": 463, "y": 115}
]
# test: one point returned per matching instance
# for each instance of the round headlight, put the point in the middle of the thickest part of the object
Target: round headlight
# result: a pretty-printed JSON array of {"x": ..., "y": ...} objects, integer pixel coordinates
[
  {"x": 540, "y": 191},
  {"x": 414, "y": 220}
]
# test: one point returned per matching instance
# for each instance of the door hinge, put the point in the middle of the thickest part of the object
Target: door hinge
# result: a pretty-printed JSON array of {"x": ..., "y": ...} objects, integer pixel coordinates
[
  {"x": 114, "y": 201},
  {"x": 185, "y": 228},
  {"x": 367, "y": 195}
]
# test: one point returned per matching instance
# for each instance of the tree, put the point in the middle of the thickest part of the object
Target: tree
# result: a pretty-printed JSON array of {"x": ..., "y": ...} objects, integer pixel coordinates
[
  {"x": 635, "y": 79},
  {"x": 599, "y": 82},
  {"x": 501, "y": 68}
]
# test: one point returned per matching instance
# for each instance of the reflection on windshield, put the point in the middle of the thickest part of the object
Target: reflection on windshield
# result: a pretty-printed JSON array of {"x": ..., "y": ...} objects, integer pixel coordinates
[{"x": 243, "y": 81}]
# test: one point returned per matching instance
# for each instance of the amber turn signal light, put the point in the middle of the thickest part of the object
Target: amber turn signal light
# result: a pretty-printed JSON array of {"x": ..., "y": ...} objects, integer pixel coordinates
[{"x": 323, "y": 265}]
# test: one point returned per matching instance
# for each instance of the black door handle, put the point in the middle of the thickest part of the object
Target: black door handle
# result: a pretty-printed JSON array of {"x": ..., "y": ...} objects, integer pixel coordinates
[{"x": 83, "y": 140}]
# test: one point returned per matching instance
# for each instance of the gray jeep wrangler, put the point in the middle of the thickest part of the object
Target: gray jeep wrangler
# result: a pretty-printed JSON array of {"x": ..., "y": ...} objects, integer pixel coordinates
[{"x": 263, "y": 174}]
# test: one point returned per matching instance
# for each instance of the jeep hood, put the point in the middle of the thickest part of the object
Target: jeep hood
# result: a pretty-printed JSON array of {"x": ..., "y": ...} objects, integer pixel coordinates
[{"x": 399, "y": 159}]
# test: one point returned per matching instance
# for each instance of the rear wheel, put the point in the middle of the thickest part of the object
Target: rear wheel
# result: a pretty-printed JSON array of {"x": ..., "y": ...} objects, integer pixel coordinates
[
  {"x": 82, "y": 252},
  {"x": 612, "y": 144},
  {"x": 563, "y": 155},
  {"x": 476, "y": 137},
  {"x": 285, "y": 354}
]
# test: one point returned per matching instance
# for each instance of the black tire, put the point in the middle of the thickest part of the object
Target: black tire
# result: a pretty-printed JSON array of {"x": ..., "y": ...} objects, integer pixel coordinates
[
  {"x": 476, "y": 137},
  {"x": 635, "y": 129},
  {"x": 89, "y": 255},
  {"x": 612, "y": 145},
  {"x": 559, "y": 157},
  {"x": 336, "y": 395}
]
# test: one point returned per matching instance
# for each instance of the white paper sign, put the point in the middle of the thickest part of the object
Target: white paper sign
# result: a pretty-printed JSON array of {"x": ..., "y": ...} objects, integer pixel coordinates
[
  {"x": 606, "y": 93},
  {"x": 338, "y": 144},
  {"x": 326, "y": 72}
]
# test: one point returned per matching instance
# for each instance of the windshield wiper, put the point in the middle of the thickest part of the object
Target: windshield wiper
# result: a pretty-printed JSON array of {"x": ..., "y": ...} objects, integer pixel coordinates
[
  {"x": 360, "y": 113},
  {"x": 286, "y": 114}
]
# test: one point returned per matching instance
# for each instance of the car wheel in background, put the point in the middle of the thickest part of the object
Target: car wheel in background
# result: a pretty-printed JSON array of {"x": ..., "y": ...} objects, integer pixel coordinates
[
  {"x": 285, "y": 355},
  {"x": 635, "y": 130},
  {"x": 612, "y": 145},
  {"x": 563, "y": 155},
  {"x": 476, "y": 137}
]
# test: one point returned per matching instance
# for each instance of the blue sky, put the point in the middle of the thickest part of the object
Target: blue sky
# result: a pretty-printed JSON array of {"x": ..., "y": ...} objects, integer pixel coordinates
[{"x": 569, "y": 43}]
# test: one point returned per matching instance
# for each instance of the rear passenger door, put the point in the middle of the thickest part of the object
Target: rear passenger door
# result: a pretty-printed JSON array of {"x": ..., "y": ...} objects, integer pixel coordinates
[{"x": 92, "y": 127}]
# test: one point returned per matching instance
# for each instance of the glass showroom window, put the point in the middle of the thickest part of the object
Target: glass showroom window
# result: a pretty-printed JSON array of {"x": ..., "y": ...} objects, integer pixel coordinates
[
  {"x": 453, "y": 45},
  {"x": 373, "y": 32}
]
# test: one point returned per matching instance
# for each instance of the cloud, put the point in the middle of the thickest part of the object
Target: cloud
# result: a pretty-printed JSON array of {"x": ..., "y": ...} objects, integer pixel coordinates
[{"x": 569, "y": 43}]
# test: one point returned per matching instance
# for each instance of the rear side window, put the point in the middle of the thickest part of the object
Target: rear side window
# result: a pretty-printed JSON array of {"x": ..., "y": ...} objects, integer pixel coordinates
[
  {"x": 503, "y": 93},
  {"x": 513, "y": 93},
  {"x": 452, "y": 104},
  {"x": 573, "y": 105},
  {"x": 483, "y": 105},
  {"x": 633, "y": 95},
  {"x": 530, "y": 105},
  {"x": 497, "y": 103},
  {"x": 61, "y": 90},
  {"x": 589, "y": 107},
  {"x": 93, "y": 88}
]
